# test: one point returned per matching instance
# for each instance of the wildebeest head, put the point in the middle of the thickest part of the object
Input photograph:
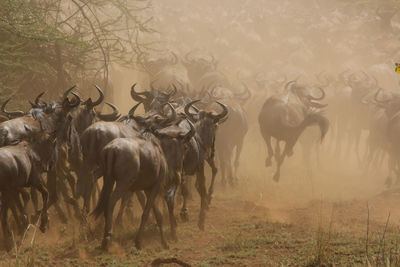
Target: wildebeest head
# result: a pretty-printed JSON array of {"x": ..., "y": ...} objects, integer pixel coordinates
[
  {"x": 197, "y": 67},
  {"x": 154, "y": 66},
  {"x": 154, "y": 120},
  {"x": 206, "y": 122},
  {"x": 304, "y": 94},
  {"x": 153, "y": 99},
  {"x": 86, "y": 114},
  {"x": 391, "y": 104}
]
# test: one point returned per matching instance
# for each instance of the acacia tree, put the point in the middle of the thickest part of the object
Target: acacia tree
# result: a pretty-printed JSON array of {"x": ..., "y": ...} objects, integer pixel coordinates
[{"x": 47, "y": 45}]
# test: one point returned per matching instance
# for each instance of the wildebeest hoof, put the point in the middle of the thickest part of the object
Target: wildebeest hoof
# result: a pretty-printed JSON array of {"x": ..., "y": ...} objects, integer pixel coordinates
[
  {"x": 201, "y": 226},
  {"x": 289, "y": 153},
  {"x": 105, "y": 244},
  {"x": 276, "y": 177},
  {"x": 268, "y": 162},
  {"x": 184, "y": 216},
  {"x": 138, "y": 244},
  {"x": 388, "y": 181},
  {"x": 165, "y": 245}
]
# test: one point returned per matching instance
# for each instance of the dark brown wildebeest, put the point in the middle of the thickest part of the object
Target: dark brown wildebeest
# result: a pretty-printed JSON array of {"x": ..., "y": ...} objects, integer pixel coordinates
[
  {"x": 140, "y": 163},
  {"x": 22, "y": 164},
  {"x": 285, "y": 117},
  {"x": 201, "y": 150}
]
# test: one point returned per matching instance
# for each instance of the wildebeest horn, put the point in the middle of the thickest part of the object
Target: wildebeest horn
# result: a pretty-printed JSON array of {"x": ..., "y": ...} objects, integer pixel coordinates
[
  {"x": 66, "y": 93},
  {"x": 187, "y": 109},
  {"x": 191, "y": 132},
  {"x": 77, "y": 100},
  {"x": 171, "y": 117},
  {"x": 376, "y": 97},
  {"x": 109, "y": 117},
  {"x": 287, "y": 88},
  {"x": 132, "y": 111},
  {"x": 187, "y": 57},
  {"x": 222, "y": 114},
  {"x": 138, "y": 96},
  {"x": 37, "y": 100},
  {"x": 318, "y": 98},
  {"x": 101, "y": 97},
  {"x": 174, "y": 60},
  {"x": 172, "y": 93},
  {"x": 245, "y": 95},
  {"x": 12, "y": 114}
]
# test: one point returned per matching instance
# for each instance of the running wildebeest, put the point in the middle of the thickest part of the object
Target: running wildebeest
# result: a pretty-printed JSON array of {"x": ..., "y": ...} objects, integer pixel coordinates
[{"x": 285, "y": 117}]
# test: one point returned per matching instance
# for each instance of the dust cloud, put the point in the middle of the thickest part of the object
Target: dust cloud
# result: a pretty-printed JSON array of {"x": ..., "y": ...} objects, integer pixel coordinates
[{"x": 296, "y": 40}]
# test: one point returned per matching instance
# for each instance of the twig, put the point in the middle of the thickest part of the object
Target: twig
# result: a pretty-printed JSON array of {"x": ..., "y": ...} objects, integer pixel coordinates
[
  {"x": 366, "y": 241},
  {"x": 158, "y": 262},
  {"x": 382, "y": 243}
]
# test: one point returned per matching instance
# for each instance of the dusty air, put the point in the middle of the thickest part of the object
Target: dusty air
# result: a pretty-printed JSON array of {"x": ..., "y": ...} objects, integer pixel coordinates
[{"x": 199, "y": 133}]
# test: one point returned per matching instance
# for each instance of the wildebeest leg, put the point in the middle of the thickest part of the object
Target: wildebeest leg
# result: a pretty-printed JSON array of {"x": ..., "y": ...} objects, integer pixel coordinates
[
  {"x": 21, "y": 220},
  {"x": 4, "y": 222},
  {"x": 278, "y": 161},
  {"x": 37, "y": 183},
  {"x": 222, "y": 165},
  {"x": 201, "y": 188},
  {"x": 170, "y": 200},
  {"x": 142, "y": 199},
  {"x": 239, "y": 147},
  {"x": 124, "y": 201},
  {"x": 24, "y": 211},
  {"x": 52, "y": 186},
  {"x": 185, "y": 192},
  {"x": 214, "y": 171},
  {"x": 159, "y": 220},
  {"x": 35, "y": 201},
  {"x": 268, "y": 161},
  {"x": 108, "y": 213},
  {"x": 15, "y": 201},
  {"x": 151, "y": 195},
  {"x": 96, "y": 190}
]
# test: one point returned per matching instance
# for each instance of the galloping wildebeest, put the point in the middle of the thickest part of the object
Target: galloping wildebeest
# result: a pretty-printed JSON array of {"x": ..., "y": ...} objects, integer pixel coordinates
[{"x": 285, "y": 117}]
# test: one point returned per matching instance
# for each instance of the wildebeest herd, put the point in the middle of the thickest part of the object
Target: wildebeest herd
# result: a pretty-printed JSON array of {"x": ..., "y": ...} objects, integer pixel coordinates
[{"x": 188, "y": 122}]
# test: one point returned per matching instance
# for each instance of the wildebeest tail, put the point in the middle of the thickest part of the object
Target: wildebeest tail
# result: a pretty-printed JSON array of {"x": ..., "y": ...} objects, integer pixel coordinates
[
  {"x": 107, "y": 159},
  {"x": 317, "y": 118}
]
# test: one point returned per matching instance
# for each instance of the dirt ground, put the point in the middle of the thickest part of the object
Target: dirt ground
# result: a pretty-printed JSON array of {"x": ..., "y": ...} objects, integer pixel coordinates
[{"x": 322, "y": 218}]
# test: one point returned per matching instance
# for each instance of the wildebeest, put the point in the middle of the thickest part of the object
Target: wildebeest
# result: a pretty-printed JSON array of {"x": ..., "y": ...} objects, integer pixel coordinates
[
  {"x": 141, "y": 163},
  {"x": 21, "y": 164},
  {"x": 201, "y": 150},
  {"x": 285, "y": 117}
]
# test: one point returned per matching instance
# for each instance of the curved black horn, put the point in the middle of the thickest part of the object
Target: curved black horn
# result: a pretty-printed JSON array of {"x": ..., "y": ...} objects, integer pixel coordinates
[
  {"x": 12, "y": 114},
  {"x": 222, "y": 114},
  {"x": 37, "y": 100},
  {"x": 171, "y": 117},
  {"x": 101, "y": 97},
  {"x": 318, "y": 98},
  {"x": 187, "y": 110},
  {"x": 287, "y": 88},
  {"x": 109, "y": 117},
  {"x": 131, "y": 112},
  {"x": 191, "y": 132},
  {"x": 138, "y": 96},
  {"x": 77, "y": 101},
  {"x": 66, "y": 93}
]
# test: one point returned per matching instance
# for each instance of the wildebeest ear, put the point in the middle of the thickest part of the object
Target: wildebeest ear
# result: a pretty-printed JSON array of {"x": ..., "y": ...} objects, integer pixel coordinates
[{"x": 28, "y": 129}]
